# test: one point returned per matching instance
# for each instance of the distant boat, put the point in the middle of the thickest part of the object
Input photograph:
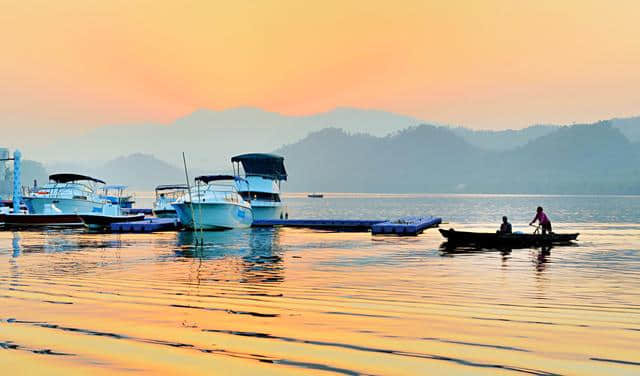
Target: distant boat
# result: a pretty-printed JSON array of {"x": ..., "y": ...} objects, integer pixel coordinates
[
  {"x": 263, "y": 174},
  {"x": 315, "y": 195},
  {"x": 166, "y": 195},
  {"x": 68, "y": 193},
  {"x": 214, "y": 206}
]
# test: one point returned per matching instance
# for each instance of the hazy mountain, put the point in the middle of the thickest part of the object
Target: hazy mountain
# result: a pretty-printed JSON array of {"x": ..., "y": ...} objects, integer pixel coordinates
[
  {"x": 210, "y": 137},
  {"x": 511, "y": 139},
  {"x": 594, "y": 158},
  {"x": 505, "y": 139},
  {"x": 630, "y": 127},
  {"x": 30, "y": 171}
]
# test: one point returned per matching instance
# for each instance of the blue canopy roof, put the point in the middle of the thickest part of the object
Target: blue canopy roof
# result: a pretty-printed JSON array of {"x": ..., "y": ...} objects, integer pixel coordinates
[
  {"x": 66, "y": 178},
  {"x": 261, "y": 164},
  {"x": 170, "y": 187}
]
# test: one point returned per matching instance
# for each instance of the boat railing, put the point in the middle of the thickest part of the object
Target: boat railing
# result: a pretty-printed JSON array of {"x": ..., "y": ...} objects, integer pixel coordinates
[
  {"x": 66, "y": 190},
  {"x": 216, "y": 193}
]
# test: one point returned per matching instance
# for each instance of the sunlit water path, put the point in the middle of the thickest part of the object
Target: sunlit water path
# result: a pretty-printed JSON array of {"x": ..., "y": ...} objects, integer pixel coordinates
[{"x": 287, "y": 301}]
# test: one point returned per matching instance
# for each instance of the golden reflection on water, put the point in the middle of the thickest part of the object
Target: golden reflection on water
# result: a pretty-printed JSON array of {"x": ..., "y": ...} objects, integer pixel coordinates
[{"x": 289, "y": 301}]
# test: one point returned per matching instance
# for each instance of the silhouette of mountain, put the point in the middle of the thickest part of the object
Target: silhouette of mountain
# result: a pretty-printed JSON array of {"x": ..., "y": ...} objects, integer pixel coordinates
[
  {"x": 595, "y": 158},
  {"x": 210, "y": 137}
]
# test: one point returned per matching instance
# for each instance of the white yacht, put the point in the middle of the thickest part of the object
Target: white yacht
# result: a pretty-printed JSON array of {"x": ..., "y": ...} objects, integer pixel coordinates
[
  {"x": 66, "y": 193},
  {"x": 214, "y": 205},
  {"x": 263, "y": 174},
  {"x": 166, "y": 195}
]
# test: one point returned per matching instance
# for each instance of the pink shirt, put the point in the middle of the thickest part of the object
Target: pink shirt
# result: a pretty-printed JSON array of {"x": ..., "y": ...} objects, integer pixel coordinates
[{"x": 541, "y": 217}]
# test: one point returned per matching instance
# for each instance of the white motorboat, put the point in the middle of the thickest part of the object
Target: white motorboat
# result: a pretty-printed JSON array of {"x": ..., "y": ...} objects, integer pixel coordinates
[
  {"x": 166, "y": 195},
  {"x": 263, "y": 175},
  {"x": 69, "y": 193},
  {"x": 214, "y": 205},
  {"x": 116, "y": 195}
]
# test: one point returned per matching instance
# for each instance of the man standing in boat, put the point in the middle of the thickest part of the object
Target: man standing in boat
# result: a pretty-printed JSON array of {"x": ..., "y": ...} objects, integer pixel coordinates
[{"x": 543, "y": 220}]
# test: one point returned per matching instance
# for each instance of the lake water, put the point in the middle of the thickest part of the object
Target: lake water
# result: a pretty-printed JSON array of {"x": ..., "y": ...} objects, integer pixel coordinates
[{"x": 291, "y": 301}]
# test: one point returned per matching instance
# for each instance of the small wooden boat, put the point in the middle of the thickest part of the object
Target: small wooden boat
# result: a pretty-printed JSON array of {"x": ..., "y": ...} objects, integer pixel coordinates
[
  {"x": 497, "y": 240},
  {"x": 101, "y": 221},
  {"x": 315, "y": 195}
]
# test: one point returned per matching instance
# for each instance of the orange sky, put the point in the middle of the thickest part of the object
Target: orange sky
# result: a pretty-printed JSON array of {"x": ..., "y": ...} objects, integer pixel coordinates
[{"x": 484, "y": 64}]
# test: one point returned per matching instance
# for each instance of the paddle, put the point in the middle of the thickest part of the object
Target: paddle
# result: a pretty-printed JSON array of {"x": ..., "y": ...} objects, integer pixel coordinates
[{"x": 537, "y": 230}]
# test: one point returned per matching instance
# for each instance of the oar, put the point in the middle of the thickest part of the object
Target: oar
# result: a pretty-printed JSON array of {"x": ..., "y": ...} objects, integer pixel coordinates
[{"x": 537, "y": 230}]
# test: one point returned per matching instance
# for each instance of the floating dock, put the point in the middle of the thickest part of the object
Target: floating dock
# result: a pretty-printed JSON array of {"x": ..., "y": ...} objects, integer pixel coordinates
[
  {"x": 356, "y": 225},
  {"x": 405, "y": 226},
  {"x": 147, "y": 225}
]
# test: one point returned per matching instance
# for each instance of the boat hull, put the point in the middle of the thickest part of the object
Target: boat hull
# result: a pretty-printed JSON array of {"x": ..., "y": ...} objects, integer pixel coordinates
[
  {"x": 495, "y": 240},
  {"x": 35, "y": 220},
  {"x": 100, "y": 221},
  {"x": 267, "y": 210},
  {"x": 165, "y": 213},
  {"x": 37, "y": 205},
  {"x": 214, "y": 215}
]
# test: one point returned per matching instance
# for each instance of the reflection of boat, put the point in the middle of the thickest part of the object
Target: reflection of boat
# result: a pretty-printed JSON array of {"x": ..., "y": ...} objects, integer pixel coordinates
[
  {"x": 315, "y": 195},
  {"x": 165, "y": 196},
  {"x": 496, "y": 240},
  {"x": 263, "y": 174},
  {"x": 69, "y": 193},
  {"x": 117, "y": 197},
  {"x": 214, "y": 206}
]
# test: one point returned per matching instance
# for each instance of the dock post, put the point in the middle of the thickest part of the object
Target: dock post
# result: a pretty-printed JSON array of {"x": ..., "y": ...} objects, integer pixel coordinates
[{"x": 17, "y": 194}]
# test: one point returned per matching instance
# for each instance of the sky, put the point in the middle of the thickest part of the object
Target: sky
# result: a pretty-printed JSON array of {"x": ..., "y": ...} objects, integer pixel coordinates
[{"x": 74, "y": 65}]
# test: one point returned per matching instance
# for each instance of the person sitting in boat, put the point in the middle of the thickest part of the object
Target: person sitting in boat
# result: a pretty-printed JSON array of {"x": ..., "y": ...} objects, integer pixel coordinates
[
  {"x": 543, "y": 220},
  {"x": 505, "y": 227}
]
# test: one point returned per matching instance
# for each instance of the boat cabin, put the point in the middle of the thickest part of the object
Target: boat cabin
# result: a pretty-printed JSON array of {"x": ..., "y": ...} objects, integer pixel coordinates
[{"x": 263, "y": 172}]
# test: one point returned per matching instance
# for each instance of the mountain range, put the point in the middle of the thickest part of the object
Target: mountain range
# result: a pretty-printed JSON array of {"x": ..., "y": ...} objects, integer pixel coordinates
[
  {"x": 593, "y": 158},
  {"x": 351, "y": 149},
  {"x": 210, "y": 138}
]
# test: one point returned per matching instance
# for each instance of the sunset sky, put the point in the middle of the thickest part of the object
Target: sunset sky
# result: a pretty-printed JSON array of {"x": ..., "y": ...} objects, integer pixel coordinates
[{"x": 70, "y": 65}]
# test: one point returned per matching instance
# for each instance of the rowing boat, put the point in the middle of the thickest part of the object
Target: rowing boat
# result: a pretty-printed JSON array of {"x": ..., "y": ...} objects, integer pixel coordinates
[{"x": 498, "y": 240}]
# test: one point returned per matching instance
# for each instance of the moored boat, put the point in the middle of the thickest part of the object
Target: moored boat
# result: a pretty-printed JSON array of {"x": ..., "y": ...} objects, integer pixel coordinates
[
  {"x": 69, "y": 193},
  {"x": 214, "y": 205},
  {"x": 109, "y": 214},
  {"x": 315, "y": 195},
  {"x": 499, "y": 240},
  {"x": 263, "y": 175},
  {"x": 166, "y": 195},
  {"x": 45, "y": 220},
  {"x": 115, "y": 194}
]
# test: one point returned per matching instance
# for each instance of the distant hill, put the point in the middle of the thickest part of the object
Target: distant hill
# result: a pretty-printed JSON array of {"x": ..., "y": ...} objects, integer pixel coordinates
[
  {"x": 139, "y": 171},
  {"x": 503, "y": 140},
  {"x": 595, "y": 158},
  {"x": 210, "y": 138},
  {"x": 30, "y": 171}
]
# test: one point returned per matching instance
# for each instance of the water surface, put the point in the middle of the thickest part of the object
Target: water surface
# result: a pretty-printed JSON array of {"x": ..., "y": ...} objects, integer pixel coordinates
[{"x": 291, "y": 301}]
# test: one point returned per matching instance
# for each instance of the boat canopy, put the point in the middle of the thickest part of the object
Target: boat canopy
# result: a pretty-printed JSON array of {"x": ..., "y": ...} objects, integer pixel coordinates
[
  {"x": 209, "y": 178},
  {"x": 66, "y": 178},
  {"x": 115, "y": 186},
  {"x": 260, "y": 164},
  {"x": 170, "y": 187}
]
